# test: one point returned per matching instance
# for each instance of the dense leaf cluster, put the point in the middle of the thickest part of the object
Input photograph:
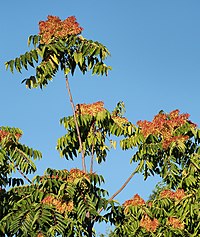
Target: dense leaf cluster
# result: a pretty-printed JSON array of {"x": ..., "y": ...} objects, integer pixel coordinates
[
  {"x": 96, "y": 127},
  {"x": 65, "y": 54},
  {"x": 57, "y": 203}
]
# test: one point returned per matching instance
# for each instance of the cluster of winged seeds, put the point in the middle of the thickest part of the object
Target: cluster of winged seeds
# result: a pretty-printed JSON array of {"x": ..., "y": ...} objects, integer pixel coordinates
[
  {"x": 164, "y": 126},
  {"x": 151, "y": 224},
  {"x": 55, "y": 28}
]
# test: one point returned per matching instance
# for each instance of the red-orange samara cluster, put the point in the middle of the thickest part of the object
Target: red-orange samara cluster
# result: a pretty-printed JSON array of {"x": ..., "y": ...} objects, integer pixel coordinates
[
  {"x": 135, "y": 201},
  {"x": 179, "y": 194},
  {"x": 90, "y": 109},
  {"x": 148, "y": 224},
  {"x": 61, "y": 206},
  {"x": 164, "y": 125},
  {"x": 71, "y": 175},
  {"x": 76, "y": 173},
  {"x": 175, "y": 223},
  {"x": 55, "y": 28},
  {"x": 4, "y": 134},
  {"x": 40, "y": 235},
  {"x": 95, "y": 108}
]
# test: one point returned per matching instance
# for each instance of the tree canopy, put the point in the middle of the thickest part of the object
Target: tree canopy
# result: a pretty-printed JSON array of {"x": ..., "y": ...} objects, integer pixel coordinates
[{"x": 69, "y": 202}]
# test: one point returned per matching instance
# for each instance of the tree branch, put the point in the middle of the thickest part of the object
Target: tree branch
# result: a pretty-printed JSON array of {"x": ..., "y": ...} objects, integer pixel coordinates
[
  {"x": 124, "y": 185},
  {"x": 92, "y": 159},
  {"x": 92, "y": 155},
  {"x": 23, "y": 174},
  {"x": 20, "y": 171},
  {"x": 76, "y": 124}
]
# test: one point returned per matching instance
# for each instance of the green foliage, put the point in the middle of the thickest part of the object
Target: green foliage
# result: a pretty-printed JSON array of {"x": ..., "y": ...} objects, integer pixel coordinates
[
  {"x": 181, "y": 205},
  {"x": 69, "y": 203},
  {"x": 15, "y": 156},
  {"x": 184, "y": 214},
  {"x": 160, "y": 186},
  {"x": 75, "y": 51},
  {"x": 60, "y": 202},
  {"x": 95, "y": 130},
  {"x": 166, "y": 162}
]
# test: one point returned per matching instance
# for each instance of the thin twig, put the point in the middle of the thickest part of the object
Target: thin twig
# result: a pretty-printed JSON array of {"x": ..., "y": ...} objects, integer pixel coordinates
[
  {"x": 92, "y": 159},
  {"x": 23, "y": 174},
  {"x": 92, "y": 155},
  {"x": 24, "y": 156},
  {"x": 15, "y": 166},
  {"x": 123, "y": 186},
  {"x": 76, "y": 124}
]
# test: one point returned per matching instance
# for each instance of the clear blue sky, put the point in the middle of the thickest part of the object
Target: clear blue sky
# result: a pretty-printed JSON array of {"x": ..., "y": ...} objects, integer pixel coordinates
[{"x": 155, "y": 48}]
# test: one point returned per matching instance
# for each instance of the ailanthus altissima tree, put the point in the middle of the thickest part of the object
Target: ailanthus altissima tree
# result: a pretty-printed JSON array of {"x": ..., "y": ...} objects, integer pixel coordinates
[{"x": 70, "y": 202}]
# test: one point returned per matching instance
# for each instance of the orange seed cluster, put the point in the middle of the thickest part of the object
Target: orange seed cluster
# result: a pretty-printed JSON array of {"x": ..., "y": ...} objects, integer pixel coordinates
[
  {"x": 55, "y": 28},
  {"x": 90, "y": 109},
  {"x": 148, "y": 224},
  {"x": 61, "y": 206},
  {"x": 71, "y": 175},
  {"x": 175, "y": 223},
  {"x": 179, "y": 194},
  {"x": 76, "y": 173},
  {"x": 164, "y": 125},
  {"x": 135, "y": 201},
  {"x": 4, "y": 134},
  {"x": 40, "y": 235}
]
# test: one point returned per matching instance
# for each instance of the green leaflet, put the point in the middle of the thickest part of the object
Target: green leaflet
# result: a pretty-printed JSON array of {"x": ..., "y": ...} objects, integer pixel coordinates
[{"x": 78, "y": 57}]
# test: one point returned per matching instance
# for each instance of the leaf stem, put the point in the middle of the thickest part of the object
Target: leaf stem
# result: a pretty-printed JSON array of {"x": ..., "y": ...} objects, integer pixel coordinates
[{"x": 76, "y": 124}]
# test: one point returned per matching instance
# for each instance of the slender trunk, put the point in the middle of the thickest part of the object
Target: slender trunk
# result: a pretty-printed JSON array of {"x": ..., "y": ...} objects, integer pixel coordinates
[
  {"x": 76, "y": 124},
  {"x": 92, "y": 152},
  {"x": 89, "y": 229}
]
